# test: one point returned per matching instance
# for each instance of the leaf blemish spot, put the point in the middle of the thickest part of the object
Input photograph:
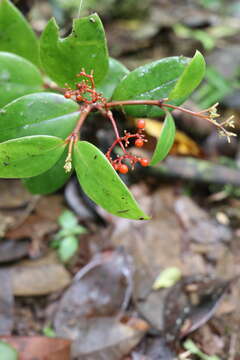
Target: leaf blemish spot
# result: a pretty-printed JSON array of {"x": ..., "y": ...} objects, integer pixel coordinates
[{"x": 123, "y": 211}]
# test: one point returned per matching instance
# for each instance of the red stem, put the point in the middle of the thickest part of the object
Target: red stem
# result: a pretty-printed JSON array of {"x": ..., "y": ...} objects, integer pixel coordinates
[
  {"x": 134, "y": 102},
  {"x": 161, "y": 104},
  {"x": 85, "y": 110},
  {"x": 119, "y": 140},
  {"x": 109, "y": 115}
]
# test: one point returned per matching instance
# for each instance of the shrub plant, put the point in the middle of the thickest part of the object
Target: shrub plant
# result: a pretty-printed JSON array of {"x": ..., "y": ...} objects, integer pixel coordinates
[{"x": 50, "y": 86}]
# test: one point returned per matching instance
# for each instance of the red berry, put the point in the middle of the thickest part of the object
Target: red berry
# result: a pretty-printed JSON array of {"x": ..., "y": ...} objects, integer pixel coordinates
[
  {"x": 144, "y": 162},
  {"x": 79, "y": 98},
  {"x": 141, "y": 124},
  {"x": 67, "y": 95},
  {"x": 123, "y": 169},
  {"x": 116, "y": 167},
  {"x": 139, "y": 143}
]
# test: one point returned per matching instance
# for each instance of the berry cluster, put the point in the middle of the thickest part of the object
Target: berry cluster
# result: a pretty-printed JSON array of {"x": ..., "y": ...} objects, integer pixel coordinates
[
  {"x": 90, "y": 99},
  {"x": 85, "y": 91},
  {"x": 124, "y": 142}
]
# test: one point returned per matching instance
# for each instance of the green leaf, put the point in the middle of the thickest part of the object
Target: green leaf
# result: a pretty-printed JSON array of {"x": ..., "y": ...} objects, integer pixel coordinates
[
  {"x": 165, "y": 140},
  {"x": 67, "y": 248},
  {"x": 167, "y": 278},
  {"x": 77, "y": 230},
  {"x": 190, "y": 78},
  {"x": 84, "y": 48},
  {"x": 38, "y": 114},
  {"x": 192, "y": 347},
  {"x": 67, "y": 220},
  {"x": 51, "y": 180},
  {"x": 49, "y": 332},
  {"x": 7, "y": 352},
  {"x": 152, "y": 81},
  {"x": 116, "y": 72},
  {"x": 29, "y": 156},
  {"x": 102, "y": 184},
  {"x": 18, "y": 77},
  {"x": 17, "y": 35}
]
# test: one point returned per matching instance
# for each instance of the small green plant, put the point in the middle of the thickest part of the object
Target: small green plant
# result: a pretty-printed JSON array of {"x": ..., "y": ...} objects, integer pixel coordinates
[
  {"x": 66, "y": 240},
  {"x": 194, "y": 350},
  {"x": 40, "y": 130},
  {"x": 167, "y": 278},
  {"x": 49, "y": 332},
  {"x": 215, "y": 88},
  {"x": 7, "y": 352}
]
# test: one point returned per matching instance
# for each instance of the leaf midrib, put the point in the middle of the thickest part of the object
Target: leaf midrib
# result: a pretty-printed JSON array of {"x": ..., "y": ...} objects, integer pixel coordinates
[{"x": 43, "y": 153}]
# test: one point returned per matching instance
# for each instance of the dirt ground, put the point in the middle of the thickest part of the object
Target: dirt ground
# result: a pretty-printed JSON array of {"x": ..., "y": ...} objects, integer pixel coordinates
[{"x": 111, "y": 300}]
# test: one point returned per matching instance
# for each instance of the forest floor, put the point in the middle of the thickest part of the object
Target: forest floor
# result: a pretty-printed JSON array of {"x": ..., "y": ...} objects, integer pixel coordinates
[{"x": 167, "y": 288}]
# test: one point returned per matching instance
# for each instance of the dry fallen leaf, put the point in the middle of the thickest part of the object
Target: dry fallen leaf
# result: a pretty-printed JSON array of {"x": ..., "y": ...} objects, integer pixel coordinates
[
  {"x": 6, "y": 302},
  {"x": 39, "y": 277},
  {"x": 39, "y": 347},
  {"x": 11, "y": 250},
  {"x": 13, "y": 194},
  {"x": 183, "y": 145},
  {"x": 89, "y": 311},
  {"x": 191, "y": 303}
]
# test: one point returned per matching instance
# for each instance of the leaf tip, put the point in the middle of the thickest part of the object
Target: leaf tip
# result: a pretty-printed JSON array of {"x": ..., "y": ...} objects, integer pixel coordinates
[
  {"x": 52, "y": 26},
  {"x": 200, "y": 58},
  {"x": 144, "y": 217}
]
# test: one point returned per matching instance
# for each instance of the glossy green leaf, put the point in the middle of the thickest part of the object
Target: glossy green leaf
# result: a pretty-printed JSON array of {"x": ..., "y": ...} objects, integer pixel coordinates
[
  {"x": 29, "y": 156},
  {"x": 51, "y": 180},
  {"x": 17, "y": 35},
  {"x": 38, "y": 114},
  {"x": 116, "y": 72},
  {"x": 152, "y": 81},
  {"x": 165, "y": 140},
  {"x": 84, "y": 48},
  {"x": 18, "y": 77},
  {"x": 7, "y": 352},
  {"x": 102, "y": 184},
  {"x": 190, "y": 78}
]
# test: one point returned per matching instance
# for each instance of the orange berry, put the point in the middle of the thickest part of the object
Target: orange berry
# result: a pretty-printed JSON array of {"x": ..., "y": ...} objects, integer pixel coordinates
[
  {"x": 123, "y": 169},
  {"x": 116, "y": 167},
  {"x": 79, "y": 98},
  {"x": 139, "y": 143},
  {"x": 67, "y": 95},
  {"x": 141, "y": 124},
  {"x": 144, "y": 162}
]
